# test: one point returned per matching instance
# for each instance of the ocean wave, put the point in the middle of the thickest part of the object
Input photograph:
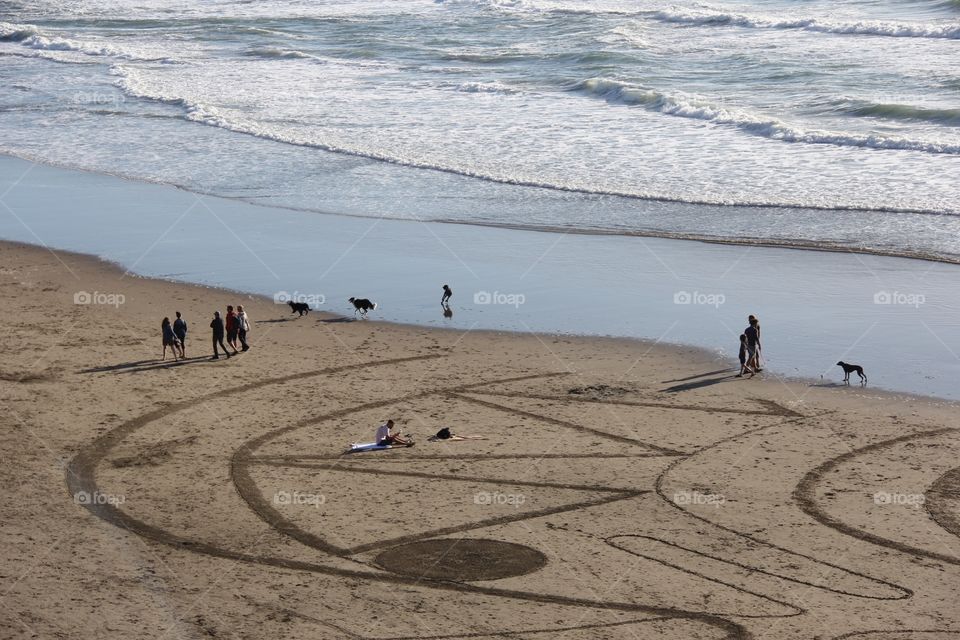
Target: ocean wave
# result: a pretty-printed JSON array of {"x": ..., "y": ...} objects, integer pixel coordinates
[
  {"x": 874, "y": 28},
  {"x": 31, "y": 37},
  {"x": 904, "y": 112},
  {"x": 272, "y": 52},
  {"x": 485, "y": 87},
  {"x": 686, "y": 106},
  {"x": 133, "y": 85}
]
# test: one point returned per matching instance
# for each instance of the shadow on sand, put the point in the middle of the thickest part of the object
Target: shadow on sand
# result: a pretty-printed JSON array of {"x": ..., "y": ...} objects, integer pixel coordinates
[
  {"x": 699, "y": 384},
  {"x": 700, "y": 375},
  {"x": 146, "y": 365}
]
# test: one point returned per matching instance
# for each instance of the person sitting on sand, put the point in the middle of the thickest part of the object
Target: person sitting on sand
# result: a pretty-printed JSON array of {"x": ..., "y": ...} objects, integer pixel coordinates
[
  {"x": 743, "y": 357},
  {"x": 180, "y": 330},
  {"x": 386, "y": 437},
  {"x": 169, "y": 339}
]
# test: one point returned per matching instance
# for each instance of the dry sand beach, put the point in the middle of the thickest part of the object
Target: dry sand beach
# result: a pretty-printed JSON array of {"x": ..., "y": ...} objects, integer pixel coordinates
[{"x": 624, "y": 489}]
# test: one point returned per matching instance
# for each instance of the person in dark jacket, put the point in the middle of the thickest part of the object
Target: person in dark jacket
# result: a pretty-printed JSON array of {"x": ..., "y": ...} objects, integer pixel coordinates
[
  {"x": 232, "y": 329},
  {"x": 169, "y": 339},
  {"x": 180, "y": 330},
  {"x": 218, "y": 330}
]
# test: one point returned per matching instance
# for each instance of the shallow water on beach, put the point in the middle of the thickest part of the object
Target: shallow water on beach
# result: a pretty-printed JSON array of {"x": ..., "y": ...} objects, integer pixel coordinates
[
  {"x": 821, "y": 123},
  {"x": 896, "y": 317}
]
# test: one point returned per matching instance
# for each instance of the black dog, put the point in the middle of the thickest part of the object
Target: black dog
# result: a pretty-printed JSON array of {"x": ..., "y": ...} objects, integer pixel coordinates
[
  {"x": 850, "y": 368},
  {"x": 362, "y": 306},
  {"x": 299, "y": 307}
]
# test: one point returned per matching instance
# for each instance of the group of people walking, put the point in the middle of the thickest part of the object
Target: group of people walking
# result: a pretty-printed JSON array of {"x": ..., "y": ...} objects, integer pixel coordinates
[{"x": 234, "y": 327}]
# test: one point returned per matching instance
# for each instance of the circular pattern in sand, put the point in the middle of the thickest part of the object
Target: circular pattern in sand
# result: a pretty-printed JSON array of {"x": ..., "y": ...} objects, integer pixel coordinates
[{"x": 461, "y": 559}]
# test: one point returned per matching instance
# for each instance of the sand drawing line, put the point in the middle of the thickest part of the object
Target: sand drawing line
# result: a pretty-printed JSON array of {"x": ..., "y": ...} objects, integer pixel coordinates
[
  {"x": 795, "y": 609},
  {"x": 776, "y": 410},
  {"x": 944, "y": 489},
  {"x": 805, "y": 495},
  {"x": 81, "y": 475},
  {"x": 347, "y": 468},
  {"x": 904, "y": 591},
  {"x": 455, "y": 636},
  {"x": 569, "y": 425}
]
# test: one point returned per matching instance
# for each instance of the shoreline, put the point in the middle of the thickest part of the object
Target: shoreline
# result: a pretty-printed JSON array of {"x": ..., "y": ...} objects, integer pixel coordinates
[
  {"x": 573, "y": 284},
  {"x": 799, "y": 245},
  {"x": 700, "y": 355}
]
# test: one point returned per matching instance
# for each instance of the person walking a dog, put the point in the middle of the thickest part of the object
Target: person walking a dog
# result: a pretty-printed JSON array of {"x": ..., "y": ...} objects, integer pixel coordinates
[
  {"x": 180, "y": 330},
  {"x": 243, "y": 325},
  {"x": 217, "y": 326},
  {"x": 232, "y": 328}
]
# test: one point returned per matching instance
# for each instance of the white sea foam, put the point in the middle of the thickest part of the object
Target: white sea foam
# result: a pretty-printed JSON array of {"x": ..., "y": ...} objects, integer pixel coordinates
[
  {"x": 485, "y": 87},
  {"x": 31, "y": 37},
  {"x": 870, "y": 27},
  {"x": 689, "y": 106}
]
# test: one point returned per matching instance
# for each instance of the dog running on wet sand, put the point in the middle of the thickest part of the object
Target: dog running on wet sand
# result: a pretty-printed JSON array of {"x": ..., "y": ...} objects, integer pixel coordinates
[{"x": 362, "y": 306}]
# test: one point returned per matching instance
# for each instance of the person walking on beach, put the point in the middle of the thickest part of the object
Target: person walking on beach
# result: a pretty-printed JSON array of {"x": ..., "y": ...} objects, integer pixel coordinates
[
  {"x": 243, "y": 325},
  {"x": 232, "y": 329},
  {"x": 180, "y": 330},
  {"x": 447, "y": 294},
  {"x": 756, "y": 322},
  {"x": 752, "y": 332},
  {"x": 169, "y": 339},
  {"x": 743, "y": 357},
  {"x": 217, "y": 325}
]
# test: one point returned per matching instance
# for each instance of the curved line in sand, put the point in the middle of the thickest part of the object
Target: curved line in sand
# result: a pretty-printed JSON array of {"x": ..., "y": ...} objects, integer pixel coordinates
[
  {"x": 907, "y": 593},
  {"x": 81, "y": 476},
  {"x": 805, "y": 495}
]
